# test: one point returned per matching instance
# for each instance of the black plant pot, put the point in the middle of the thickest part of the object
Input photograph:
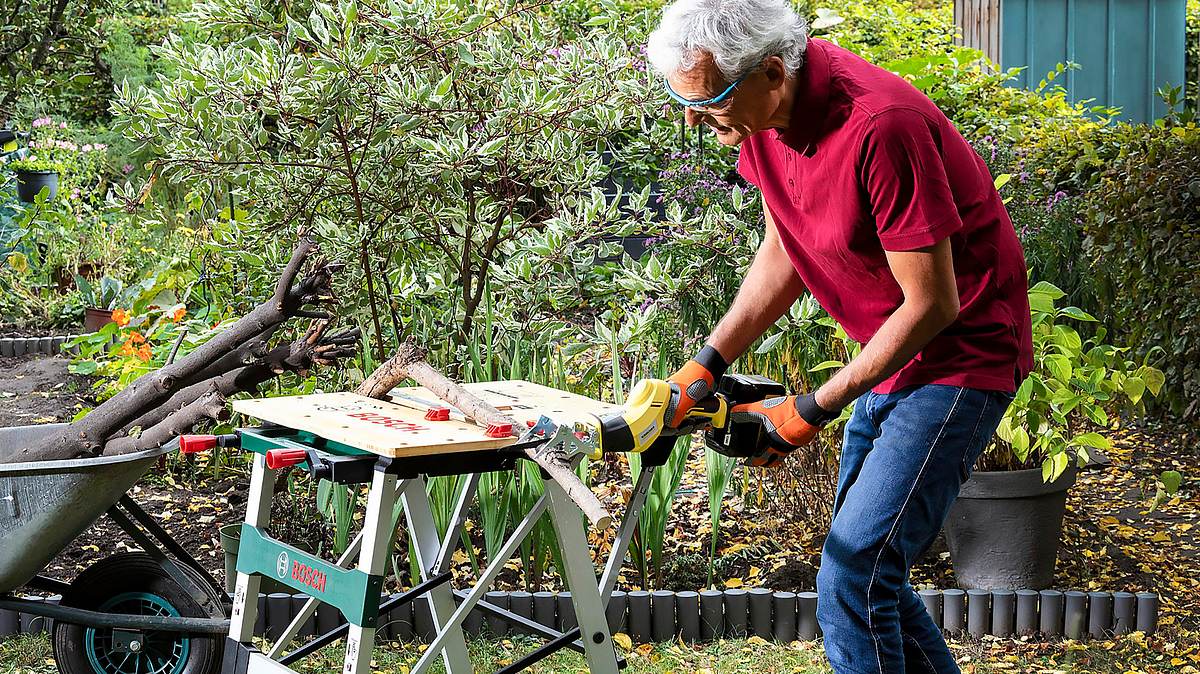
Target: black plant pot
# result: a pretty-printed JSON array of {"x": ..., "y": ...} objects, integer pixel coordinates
[
  {"x": 29, "y": 183},
  {"x": 1004, "y": 529}
]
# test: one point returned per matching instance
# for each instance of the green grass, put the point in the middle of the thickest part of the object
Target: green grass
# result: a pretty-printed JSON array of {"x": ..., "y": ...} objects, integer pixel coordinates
[{"x": 32, "y": 655}]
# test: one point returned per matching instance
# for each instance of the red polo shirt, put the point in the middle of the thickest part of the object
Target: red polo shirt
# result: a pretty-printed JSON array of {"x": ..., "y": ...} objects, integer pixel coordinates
[{"x": 869, "y": 164}]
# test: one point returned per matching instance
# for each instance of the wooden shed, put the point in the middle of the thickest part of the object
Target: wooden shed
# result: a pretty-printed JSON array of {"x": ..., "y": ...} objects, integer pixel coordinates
[{"x": 1126, "y": 49}]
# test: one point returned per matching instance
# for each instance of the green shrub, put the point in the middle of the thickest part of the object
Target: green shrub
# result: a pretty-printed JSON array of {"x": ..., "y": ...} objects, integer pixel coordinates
[
  {"x": 1143, "y": 244},
  {"x": 1059, "y": 411}
]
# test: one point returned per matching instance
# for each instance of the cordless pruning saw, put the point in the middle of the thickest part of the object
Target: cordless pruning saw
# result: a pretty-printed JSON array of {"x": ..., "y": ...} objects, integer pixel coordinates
[{"x": 640, "y": 425}]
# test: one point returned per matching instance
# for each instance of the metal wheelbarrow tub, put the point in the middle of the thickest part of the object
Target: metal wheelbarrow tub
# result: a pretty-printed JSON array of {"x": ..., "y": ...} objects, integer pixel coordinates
[{"x": 44, "y": 505}]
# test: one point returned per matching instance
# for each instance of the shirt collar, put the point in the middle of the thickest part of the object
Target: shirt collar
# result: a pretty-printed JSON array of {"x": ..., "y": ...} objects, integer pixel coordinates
[{"x": 810, "y": 109}]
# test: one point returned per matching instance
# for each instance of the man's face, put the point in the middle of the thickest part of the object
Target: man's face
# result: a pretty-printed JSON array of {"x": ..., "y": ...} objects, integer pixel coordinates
[{"x": 745, "y": 111}]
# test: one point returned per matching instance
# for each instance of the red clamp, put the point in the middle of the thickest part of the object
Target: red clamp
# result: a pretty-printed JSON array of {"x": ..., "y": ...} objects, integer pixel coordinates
[
  {"x": 282, "y": 458},
  {"x": 499, "y": 431},
  {"x": 193, "y": 444},
  {"x": 437, "y": 414}
]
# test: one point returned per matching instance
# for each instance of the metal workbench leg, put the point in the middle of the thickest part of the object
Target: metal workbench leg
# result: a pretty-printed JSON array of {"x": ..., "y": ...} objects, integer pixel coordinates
[
  {"x": 441, "y": 599},
  {"x": 485, "y": 581},
  {"x": 620, "y": 546},
  {"x": 258, "y": 513},
  {"x": 580, "y": 575},
  {"x": 310, "y": 605},
  {"x": 377, "y": 539}
]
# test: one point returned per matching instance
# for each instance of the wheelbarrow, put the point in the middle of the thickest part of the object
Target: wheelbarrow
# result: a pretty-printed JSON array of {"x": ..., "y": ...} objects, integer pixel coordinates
[{"x": 157, "y": 611}]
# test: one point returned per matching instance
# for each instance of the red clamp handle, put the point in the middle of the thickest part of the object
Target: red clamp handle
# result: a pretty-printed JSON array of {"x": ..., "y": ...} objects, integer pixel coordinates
[
  {"x": 437, "y": 414},
  {"x": 499, "y": 431},
  {"x": 282, "y": 458},
  {"x": 192, "y": 444}
]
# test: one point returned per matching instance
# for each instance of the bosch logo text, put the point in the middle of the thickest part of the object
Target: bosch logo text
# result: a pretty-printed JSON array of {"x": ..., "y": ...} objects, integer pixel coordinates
[{"x": 309, "y": 576}]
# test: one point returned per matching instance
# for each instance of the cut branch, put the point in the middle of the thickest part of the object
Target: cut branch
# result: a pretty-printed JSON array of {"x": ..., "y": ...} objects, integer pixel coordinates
[
  {"x": 211, "y": 405},
  {"x": 314, "y": 348},
  {"x": 409, "y": 363},
  {"x": 87, "y": 436}
]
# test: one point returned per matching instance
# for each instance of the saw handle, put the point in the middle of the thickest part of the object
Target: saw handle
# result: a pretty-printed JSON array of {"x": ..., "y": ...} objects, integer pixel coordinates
[{"x": 712, "y": 410}]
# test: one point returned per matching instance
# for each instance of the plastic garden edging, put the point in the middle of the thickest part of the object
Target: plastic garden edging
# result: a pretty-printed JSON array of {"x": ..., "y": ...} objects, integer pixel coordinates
[
  {"x": 703, "y": 616},
  {"x": 21, "y": 346}
]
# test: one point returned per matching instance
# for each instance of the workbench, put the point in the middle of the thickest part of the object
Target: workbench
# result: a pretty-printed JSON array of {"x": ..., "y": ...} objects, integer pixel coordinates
[{"x": 395, "y": 446}]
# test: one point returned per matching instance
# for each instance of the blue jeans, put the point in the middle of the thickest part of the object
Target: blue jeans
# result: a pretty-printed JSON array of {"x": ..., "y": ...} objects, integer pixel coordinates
[{"x": 904, "y": 458}]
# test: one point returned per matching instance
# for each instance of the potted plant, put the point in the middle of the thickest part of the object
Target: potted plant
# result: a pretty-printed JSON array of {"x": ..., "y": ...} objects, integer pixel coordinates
[
  {"x": 99, "y": 300},
  {"x": 33, "y": 174},
  {"x": 1003, "y": 530}
]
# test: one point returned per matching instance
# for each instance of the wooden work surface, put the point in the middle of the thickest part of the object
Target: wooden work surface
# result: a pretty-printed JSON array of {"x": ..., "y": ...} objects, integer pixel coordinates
[
  {"x": 399, "y": 429},
  {"x": 522, "y": 400}
]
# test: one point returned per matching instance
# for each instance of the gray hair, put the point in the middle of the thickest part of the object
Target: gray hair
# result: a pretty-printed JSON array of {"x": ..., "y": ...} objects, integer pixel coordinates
[{"x": 738, "y": 34}]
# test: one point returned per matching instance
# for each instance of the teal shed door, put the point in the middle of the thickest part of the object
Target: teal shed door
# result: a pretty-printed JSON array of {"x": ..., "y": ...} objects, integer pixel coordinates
[{"x": 1126, "y": 49}]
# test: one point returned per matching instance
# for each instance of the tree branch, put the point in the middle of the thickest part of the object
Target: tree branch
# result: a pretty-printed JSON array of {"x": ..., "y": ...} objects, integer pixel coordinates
[
  {"x": 86, "y": 436},
  {"x": 211, "y": 405},
  {"x": 409, "y": 363}
]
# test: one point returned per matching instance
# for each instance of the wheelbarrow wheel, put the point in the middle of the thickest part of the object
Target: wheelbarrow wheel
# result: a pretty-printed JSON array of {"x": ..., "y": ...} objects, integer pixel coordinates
[{"x": 132, "y": 582}]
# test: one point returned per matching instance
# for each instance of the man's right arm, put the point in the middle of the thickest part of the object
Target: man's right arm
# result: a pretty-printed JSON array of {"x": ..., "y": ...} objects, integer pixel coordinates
[{"x": 770, "y": 288}]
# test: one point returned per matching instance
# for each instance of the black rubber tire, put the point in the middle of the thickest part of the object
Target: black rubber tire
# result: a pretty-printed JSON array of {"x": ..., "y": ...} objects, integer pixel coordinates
[{"x": 124, "y": 573}]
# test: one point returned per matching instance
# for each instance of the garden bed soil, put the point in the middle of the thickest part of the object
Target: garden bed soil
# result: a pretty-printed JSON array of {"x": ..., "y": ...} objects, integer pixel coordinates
[
  {"x": 39, "y": 390},
  {"x": 1112, "y": 541},
  {"x": 14, "y": 330}
]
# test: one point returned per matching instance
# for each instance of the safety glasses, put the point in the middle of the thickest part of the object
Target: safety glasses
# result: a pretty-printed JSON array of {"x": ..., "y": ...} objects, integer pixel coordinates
[{"x": 706, "y": 104}]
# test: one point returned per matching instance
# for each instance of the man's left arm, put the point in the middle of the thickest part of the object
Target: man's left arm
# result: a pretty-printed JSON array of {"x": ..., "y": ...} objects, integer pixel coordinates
[{"x": 926, "y": 277}]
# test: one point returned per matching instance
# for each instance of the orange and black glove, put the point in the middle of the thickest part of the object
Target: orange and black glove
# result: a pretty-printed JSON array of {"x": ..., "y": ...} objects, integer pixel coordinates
[
  {"x": 695, "y": 381},
  {"x": 788, "y": 422}
]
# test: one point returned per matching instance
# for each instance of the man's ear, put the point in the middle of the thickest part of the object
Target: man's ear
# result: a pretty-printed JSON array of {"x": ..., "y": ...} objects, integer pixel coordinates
[{"x": 774, "y": 71}]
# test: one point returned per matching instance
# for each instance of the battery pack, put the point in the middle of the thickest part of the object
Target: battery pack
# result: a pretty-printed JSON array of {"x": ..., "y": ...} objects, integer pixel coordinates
[{"x": 742, "y": 439}]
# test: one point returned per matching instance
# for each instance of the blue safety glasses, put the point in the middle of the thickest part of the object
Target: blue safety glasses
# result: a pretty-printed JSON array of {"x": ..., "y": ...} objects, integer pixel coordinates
[{"x": 687, "y": 103}]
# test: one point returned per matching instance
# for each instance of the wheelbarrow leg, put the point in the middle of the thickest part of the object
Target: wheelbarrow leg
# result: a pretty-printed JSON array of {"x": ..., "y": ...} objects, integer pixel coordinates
[{"x": 258, "y": 513}]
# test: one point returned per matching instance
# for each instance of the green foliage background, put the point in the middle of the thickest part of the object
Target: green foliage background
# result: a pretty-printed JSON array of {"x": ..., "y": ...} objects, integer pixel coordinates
[{"x": 477, "y": 166}]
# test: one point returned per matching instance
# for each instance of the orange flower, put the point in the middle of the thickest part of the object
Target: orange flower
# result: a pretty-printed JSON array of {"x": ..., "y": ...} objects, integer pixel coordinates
[
  {"x": 143, "y": 352},
  {"x": 121, "y": 317},
  {"x": 126, "y": 349},
  {"x": 136, "y": 337},
  {"x": 178, "y": 314}
]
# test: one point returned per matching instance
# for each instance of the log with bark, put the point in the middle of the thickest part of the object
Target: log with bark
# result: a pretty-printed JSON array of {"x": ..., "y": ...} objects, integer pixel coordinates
[
  {"x": 169, "y": 401},
  {"x": 409, "y": 363}
]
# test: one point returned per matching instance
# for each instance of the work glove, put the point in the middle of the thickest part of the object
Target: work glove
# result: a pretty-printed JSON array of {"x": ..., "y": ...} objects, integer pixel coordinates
[
  {"x": 693, "y": 382},
  {"x": 788, "y": 423}
]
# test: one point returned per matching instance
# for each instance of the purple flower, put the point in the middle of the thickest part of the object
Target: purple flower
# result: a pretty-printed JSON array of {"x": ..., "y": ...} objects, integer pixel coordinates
[
  {"x": 1053, "y": 200},
  {"x": 128, "y": 168}
]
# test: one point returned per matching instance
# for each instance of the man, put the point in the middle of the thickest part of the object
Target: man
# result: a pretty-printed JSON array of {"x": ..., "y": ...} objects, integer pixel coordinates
[{"x": 876, "y": 205}]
